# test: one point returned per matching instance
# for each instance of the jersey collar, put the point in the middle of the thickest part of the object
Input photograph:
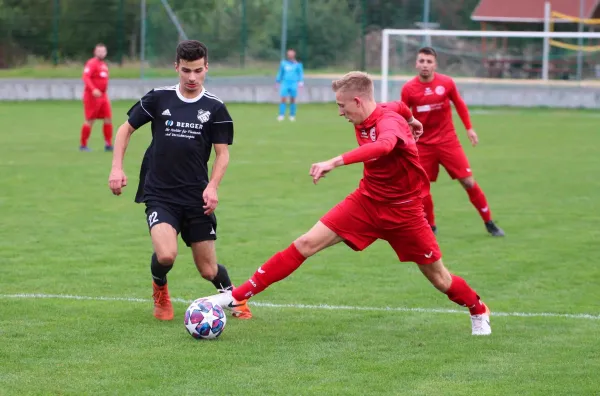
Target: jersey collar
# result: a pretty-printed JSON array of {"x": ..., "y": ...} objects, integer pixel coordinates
[
  {"x": 189, "y": 100},
  {"x": 372, "y": 118}
]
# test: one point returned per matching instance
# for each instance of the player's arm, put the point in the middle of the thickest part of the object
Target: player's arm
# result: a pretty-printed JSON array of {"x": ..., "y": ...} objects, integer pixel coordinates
[
  {"x": 221, "y": 136},
  {"x": 88, "y": 70},
  {"x": 139, "y": 114},
  {"x": 388, "y": 139},
  {"x": 463, "y": 113},
  {"x": 280, "y": 73},
  {"x": 300, "y": 75},
  {"x": 401, "y": 108}
]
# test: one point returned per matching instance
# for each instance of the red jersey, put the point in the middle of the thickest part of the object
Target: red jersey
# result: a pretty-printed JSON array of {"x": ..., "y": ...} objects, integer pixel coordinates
[
  {"x": 95, "y": 75},
  {"x": 392, "y": 173},
  {"x": 398, "y": 107},
  {"x": 430, "y": 103}
]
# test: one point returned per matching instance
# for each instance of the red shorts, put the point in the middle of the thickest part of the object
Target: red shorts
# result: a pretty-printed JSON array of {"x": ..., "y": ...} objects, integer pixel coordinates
[
  {"x": 360, "y": 221},
  {"x": 450, "y": 155},
  {"x": 96, "y": 108}
]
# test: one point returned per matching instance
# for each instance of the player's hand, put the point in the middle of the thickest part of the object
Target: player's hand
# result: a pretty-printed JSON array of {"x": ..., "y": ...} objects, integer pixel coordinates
[
  {"x": 320, "y": 169},
  {"x": 416, "y": 128},
  {"x": 211, "y": 199},
  {"x": 117, "y": 180},
  {"x": 472, "y": 137},
  {"x": 96, "y": 92}
]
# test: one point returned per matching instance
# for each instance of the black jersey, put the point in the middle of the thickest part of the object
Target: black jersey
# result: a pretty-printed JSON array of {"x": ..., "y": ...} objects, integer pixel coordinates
[{"x": 175, "y": 165}]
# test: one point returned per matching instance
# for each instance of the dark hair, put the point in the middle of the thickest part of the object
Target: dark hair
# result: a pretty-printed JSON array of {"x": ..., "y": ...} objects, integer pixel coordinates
[
  {"x": 428, "y": 51},
  {"x": 191, "y": 50}
]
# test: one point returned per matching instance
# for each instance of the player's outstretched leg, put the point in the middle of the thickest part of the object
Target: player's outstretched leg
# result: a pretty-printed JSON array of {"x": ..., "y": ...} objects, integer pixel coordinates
[
  {"x": 164, "y": 240},
  {"x": 479, "y": 201},
  {"x": 86, "y": 131},
  {"x": 205, "y": 258},
  {"x": 281, "y": 265},
  {"x": 461, "y": 293}
]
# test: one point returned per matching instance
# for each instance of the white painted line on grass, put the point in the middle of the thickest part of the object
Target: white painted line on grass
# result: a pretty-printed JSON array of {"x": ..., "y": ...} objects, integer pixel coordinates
[{"x": 307, "y": 306}]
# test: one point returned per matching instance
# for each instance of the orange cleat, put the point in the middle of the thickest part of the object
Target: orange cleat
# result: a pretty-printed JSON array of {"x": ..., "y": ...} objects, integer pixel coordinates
[
  {"x": 163, "y": 309},
  {"x": 241, "y": 310}
]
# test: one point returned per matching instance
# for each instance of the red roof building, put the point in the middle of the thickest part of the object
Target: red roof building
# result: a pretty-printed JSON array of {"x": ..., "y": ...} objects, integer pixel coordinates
[{"x": 530, "y": 11}]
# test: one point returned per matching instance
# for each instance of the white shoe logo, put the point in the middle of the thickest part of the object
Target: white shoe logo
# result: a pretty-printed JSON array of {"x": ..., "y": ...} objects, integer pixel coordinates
[
  {"x": 166, "y": 113},
  {"x": 429, "y": 255}
]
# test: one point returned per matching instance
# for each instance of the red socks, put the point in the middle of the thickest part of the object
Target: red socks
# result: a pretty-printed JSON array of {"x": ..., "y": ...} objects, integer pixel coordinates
[
  {"x": 428, "y": 207},
  {"x": 107, "y": 129},
  {"x": 278, "y": 267},
  {"x": 462, "y": 294},
  {"x": 86, "y": 131},
  {"x": 477, "y": 198}
]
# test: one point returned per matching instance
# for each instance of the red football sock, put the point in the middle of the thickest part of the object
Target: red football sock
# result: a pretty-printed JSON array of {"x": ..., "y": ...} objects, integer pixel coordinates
[
  {"x": 107, "y": 134},
  {"x": 478, "y": 200},
  {"x": 462, "y": 294},
  {"x": 280, "y": 266},
  {"x": 86, "y": 131},
  {"x": 428, "y": 206}
]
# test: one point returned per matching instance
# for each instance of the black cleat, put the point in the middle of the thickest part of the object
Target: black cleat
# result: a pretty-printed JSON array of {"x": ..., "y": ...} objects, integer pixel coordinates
[
  {"x": 108, "y": 148},
  {"x": 493, "y": 229},
  {"x": 434, "y": 229}
]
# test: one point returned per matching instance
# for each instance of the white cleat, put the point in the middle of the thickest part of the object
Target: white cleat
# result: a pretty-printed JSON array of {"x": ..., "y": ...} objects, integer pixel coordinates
[
  {"x": 292, "y": 119},
  {"x": 280, "y": 118},
  {"x": 224, "y": 299},
  {"x": 481, "y": 323}
]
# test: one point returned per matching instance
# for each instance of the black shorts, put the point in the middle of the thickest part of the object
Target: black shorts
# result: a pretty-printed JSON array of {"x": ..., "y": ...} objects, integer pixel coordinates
[{"x": 191, "y": 222}]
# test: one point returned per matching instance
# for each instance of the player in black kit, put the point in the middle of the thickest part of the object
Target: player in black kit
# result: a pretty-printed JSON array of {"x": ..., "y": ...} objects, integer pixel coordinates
[{"x": 187, "y": 121}]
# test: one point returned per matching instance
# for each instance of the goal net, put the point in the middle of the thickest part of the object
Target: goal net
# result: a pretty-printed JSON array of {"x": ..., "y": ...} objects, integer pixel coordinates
[{"x": 543, "y": 56}]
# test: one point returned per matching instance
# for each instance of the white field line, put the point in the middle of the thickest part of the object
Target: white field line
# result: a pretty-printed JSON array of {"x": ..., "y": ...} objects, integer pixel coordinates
[{"x": 307, "y": 306}]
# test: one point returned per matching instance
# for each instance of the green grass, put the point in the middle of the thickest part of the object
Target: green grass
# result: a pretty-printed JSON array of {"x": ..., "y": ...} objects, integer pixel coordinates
[{"x": 62, "y": 232}]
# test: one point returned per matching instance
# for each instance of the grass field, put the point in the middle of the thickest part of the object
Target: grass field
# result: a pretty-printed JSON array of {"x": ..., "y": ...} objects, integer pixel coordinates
[{"x": 63, "y": 234}]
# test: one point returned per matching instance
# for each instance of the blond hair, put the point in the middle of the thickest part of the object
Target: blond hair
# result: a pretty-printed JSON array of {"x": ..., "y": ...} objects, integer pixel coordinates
[{"x": 356, "y": 82}]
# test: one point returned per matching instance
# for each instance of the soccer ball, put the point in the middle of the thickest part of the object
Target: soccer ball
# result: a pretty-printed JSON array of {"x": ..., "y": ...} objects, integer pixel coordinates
[{"x": 205, "y": 320}]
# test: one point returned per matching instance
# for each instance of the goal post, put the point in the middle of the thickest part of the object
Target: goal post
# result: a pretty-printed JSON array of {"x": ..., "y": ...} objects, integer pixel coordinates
[{"x": 413, "y": 38}]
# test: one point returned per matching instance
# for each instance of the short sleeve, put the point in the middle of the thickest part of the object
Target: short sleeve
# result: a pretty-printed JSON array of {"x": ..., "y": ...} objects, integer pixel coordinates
[
  {"x": 142, "y": 112},
  {"x": 221, "y": 128},
  {"x": 405, "y": 94}
]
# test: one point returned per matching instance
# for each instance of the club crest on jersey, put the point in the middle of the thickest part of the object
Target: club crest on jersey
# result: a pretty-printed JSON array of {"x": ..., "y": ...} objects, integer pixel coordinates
[
  {"x": 203, "y": 115},
  {"x": 440, "y": 90},
  {"x": 372, "y": 134}
]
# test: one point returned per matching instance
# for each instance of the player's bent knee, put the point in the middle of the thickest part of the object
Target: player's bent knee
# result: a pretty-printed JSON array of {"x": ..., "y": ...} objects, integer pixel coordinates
[
  {"x": 166, "y": 257},
  {"x": 318, "y": 238},
  {"x": 208, "y": 272},
  {"x": 438, "y": 275},
  {"x": 306, "y": 245},
  {"x": 467, "y": 182}
]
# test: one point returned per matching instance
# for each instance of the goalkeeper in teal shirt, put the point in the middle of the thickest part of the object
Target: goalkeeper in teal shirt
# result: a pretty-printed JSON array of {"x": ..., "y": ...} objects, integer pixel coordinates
[{"x": 289, "y": 78}]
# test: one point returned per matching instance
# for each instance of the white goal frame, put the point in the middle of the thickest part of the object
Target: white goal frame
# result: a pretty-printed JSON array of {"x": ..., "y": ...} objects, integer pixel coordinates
[{"x": 546, "y": 35}]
